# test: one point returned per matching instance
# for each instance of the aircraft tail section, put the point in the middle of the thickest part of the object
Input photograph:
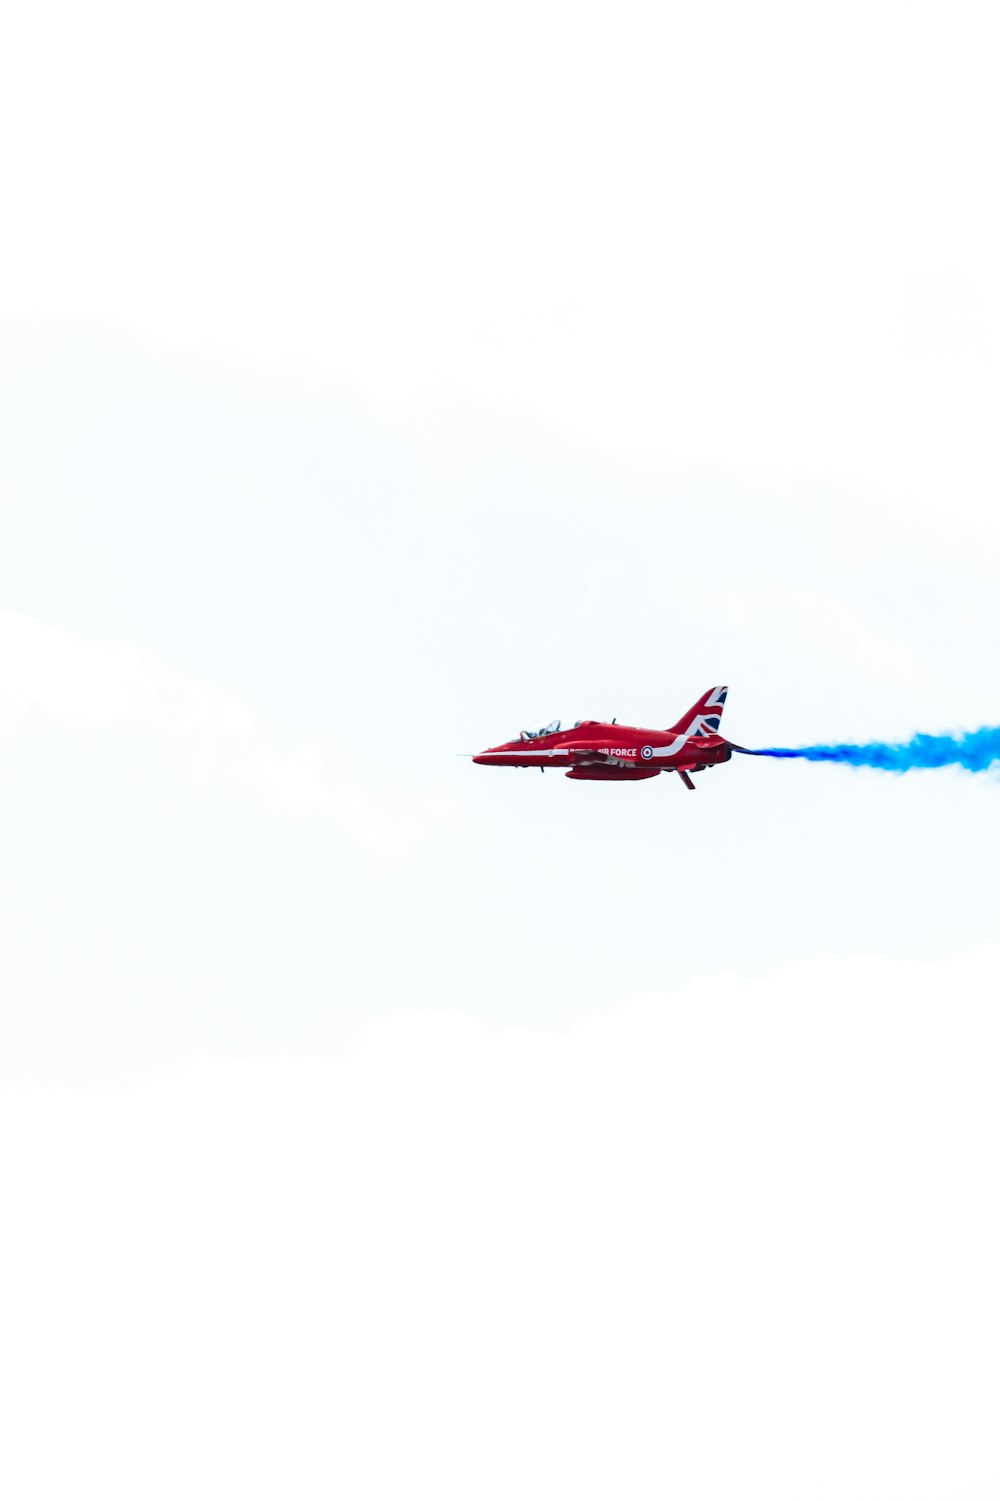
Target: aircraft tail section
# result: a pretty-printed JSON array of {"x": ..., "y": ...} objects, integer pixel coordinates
[{"x": 704, "y": 717}]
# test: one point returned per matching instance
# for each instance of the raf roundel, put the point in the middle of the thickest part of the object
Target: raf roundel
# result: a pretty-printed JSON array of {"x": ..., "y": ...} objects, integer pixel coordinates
[{"x": 647, "y": 753}]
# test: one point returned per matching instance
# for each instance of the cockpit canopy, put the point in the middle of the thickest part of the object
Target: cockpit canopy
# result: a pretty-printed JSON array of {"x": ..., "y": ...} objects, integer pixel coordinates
[{"x": 550, "y": 729}]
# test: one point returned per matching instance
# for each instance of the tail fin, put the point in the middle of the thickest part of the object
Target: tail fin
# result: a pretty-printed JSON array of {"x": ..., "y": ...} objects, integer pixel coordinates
[{"x": 704, "y": 717}]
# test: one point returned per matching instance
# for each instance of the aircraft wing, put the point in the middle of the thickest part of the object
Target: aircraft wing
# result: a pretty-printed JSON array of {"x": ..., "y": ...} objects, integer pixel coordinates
[{"x": 589, "y": 755}]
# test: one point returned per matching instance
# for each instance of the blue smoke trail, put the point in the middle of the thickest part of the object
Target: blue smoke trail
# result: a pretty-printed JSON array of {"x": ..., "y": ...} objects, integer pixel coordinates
[{"x": 976, "y": 750}]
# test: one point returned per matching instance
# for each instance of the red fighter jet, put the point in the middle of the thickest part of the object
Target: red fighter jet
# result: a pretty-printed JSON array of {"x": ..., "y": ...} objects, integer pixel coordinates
[{"x": 598, "y": 752}]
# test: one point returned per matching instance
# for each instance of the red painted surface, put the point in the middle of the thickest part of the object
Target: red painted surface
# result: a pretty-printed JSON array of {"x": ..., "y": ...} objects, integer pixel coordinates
[{"x": 594, "y": 751}]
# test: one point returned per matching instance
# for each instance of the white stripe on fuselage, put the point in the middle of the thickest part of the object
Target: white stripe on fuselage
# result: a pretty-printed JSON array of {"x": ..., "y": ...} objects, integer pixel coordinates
[
  {"x": 667, "y": 752},
  {"x": 660, "y": 752},
  {"x": 559, "y": 750}
]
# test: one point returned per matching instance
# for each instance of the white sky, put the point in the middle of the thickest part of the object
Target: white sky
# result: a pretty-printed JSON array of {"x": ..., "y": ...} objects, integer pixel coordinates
[{"x": 375, "y": 384}]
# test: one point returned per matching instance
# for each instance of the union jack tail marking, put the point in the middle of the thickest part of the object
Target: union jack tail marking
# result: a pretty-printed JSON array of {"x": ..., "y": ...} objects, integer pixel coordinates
[{"x": 704, "y": 717}]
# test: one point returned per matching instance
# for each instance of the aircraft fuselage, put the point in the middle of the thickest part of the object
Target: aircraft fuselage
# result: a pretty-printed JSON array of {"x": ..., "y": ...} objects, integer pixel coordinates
[{"x": 598, "y": 752}]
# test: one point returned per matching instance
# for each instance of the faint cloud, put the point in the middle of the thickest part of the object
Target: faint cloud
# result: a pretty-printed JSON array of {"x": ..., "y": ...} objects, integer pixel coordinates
[
  {"x": 91, "y": 684},
  {"x": 527, "y": 1264},
  {"x": 677, "y": 276},
  {"x": 838, "y": 625},
  {"x": 825, "y": 627}
]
